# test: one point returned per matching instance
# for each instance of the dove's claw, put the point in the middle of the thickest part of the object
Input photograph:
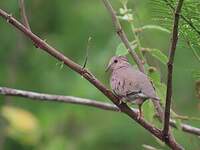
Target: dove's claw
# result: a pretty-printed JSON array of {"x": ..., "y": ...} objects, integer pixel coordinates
[{"x": 140, "y": 114}]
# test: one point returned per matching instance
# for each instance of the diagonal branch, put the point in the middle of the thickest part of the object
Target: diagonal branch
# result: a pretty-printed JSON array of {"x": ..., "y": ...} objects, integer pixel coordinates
[
  {"x": 87, "y": 75},
  {"x": 80, "y": 101},
  {"x": 174, "y": 40}
]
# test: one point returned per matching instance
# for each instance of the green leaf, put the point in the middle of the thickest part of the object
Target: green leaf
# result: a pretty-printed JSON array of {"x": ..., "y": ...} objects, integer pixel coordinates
[
  {"x": 148, "y": 111},
  {"x": 155, "y": 27},
  {"x": 161, "y": 91},
  {"x": 158, "y": 54},
  {"x": 154, "y": 74},
  {"x": 178, "y": 124},
  {"x": 121, "y": 50},
  {"x": 158, "y": 85}
]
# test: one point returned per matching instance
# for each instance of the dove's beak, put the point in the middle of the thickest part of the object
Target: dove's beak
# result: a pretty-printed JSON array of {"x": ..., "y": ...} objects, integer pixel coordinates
[{"x": 108, "y": 67}]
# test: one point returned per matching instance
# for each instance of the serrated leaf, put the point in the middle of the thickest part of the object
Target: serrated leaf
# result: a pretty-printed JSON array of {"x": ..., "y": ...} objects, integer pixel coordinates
[
  {"x": 155, "y": 27},
  {"x": 158, "y": 54}
]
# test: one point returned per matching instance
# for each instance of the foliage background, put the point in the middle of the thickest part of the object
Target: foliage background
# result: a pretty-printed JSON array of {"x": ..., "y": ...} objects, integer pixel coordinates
[{"x": 66, "y": 25}]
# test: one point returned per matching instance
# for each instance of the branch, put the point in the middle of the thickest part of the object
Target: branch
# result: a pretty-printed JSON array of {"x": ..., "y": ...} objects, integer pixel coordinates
[
  {"x": 23, "y": 14},
  {"x": 123, "y": 36},
  {"x": 57, "y": 98},
  {"x": 174, "y": 40},
  {"x": 87, "y": 75},
  {"x": 80, "y": 101}
]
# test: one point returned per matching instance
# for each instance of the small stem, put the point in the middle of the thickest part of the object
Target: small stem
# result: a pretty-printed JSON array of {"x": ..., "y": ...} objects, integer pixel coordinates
[
  {"x": 139, "y": 51},
  {"x": 23, "y": 14}
]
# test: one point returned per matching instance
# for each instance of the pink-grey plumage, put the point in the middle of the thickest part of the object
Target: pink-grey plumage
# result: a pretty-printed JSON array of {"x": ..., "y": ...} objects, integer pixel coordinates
[{"x": 128, "y": 83}]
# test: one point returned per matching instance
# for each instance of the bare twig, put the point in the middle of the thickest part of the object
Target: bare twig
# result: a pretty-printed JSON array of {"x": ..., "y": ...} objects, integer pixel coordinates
[
  {"x": 87, "y": 75},
  {"x": 186, "y": 128},
  {"x": 190, "y": 129},
  {"x": 57, "y": 98},
  {"x": 23, "y": 14},
  {"x": 123, "y": 36},
  {"x": 81, "y": 101},
  {"x": 174, "y": 40}
]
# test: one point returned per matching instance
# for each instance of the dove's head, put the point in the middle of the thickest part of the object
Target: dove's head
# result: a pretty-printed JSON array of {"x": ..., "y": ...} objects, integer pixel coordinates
[{"x": 117, "y": 62}]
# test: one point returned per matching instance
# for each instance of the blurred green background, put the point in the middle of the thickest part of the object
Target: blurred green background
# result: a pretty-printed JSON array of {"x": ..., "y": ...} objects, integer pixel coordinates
[{"x": 66, "y": 25}]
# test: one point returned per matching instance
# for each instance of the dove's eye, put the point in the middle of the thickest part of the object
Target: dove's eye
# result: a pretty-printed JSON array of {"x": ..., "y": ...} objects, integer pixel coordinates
[{"x": 115, "y": 61}]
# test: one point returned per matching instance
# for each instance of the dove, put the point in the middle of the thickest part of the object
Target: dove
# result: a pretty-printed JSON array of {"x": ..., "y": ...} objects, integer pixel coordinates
[{"x": 129, "y": 84}]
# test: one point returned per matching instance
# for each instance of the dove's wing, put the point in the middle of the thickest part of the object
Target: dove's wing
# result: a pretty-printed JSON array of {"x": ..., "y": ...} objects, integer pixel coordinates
[
  {"x": 145, "y": 84},
  {"x": 137, "y": 82}
]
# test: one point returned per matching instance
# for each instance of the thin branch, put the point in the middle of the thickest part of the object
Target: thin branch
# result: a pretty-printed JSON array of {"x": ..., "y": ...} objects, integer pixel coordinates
[
  {"x": 57, "y": 98},
  {"x": 80, "y": 101},
  {"x": 23, "y": 14},
  {"x": 123, "y": 36},
  {"x": 174, "y": 40},
  {"x": 87, "y": 75},
  {"x": 190, "y": 129}
]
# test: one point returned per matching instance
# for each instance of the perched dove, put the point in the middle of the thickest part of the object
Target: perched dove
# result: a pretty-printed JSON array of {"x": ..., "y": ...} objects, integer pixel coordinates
[{"x": 130, "y": 84}]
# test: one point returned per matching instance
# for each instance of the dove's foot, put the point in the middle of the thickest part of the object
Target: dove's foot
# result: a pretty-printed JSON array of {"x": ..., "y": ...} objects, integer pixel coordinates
[{"x": 140, "y": 114}]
